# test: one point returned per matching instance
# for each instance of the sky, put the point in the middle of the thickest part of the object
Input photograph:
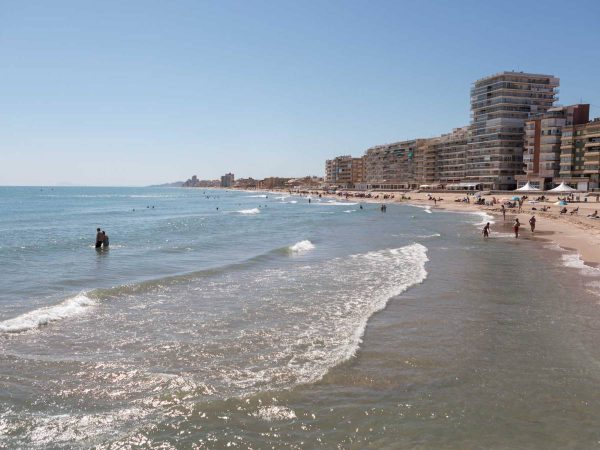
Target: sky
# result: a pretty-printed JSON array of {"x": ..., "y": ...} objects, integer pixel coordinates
[{"x": 131, "y": 93}]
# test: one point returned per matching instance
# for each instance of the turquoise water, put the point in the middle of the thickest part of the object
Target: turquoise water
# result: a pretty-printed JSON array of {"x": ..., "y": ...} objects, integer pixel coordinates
[{"x": 275, "y": 322}]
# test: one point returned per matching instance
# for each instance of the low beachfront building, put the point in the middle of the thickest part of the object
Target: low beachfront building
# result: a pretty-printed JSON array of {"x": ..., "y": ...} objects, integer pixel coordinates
[{"x": 273, "y": 183}]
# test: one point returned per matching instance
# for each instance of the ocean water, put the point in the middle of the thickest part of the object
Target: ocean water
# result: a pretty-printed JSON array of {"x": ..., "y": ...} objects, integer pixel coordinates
[{"x": 223, "y": 319}]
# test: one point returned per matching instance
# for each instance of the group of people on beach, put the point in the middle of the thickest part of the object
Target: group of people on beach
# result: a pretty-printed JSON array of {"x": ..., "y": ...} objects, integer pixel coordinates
[
  {"x": 101, "y": 239},
  {"x": 516, "y": 225}
]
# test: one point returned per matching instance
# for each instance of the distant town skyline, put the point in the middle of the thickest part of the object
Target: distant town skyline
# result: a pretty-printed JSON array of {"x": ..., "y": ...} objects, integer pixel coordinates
[{"x": 145, "y": 93}]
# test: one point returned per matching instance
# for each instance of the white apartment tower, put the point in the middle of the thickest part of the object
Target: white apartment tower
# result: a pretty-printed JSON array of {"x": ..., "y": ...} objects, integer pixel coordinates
[{"x": 500, "y": 105}]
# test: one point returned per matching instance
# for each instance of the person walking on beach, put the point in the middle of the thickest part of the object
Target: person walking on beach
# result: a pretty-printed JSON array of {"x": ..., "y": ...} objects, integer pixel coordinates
[
  {"x": 105, "y": 241},
  {"x": 486, "y": 230},
  {"x": 516, "y": 226},
  {"x": 503, "y": 213},
  {"x": 99, "y": 238},
  {"x": 532, "y": 223}
]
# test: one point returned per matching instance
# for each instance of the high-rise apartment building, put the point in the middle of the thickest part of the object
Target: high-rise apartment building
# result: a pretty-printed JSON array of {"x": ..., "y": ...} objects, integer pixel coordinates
[
  {"x": 500, "y": 104},
  {"x": 543, "y": 142},
  {"x": 451, "y": 156},
  {"x": 425, "y": 170},
  {"x": 393, "y": 166},
  {"x": 227, "y": 180},
  {"x": 344, "y": 171},
  {"x": 580, "y": 156}
]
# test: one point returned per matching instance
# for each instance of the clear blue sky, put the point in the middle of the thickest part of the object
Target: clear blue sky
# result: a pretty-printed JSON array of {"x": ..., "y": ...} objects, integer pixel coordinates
[{"x": 140, "y": 92}]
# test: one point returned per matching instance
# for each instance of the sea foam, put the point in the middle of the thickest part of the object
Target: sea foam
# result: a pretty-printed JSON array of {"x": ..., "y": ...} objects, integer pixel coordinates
[
  {"x": 249, "y": 211},
  {"x": 274, "y": 412},
  {"x": 573, "y": 260},
  {"x": 302, "y": 246},
  {"x": 334, "y": 203},
  {"x": 485, "y": 218},
  {"x": 72, "y": 306}
]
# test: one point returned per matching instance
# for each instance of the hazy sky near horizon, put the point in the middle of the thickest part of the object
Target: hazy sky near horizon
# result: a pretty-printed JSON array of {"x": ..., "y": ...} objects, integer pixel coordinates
[{"x": 142, "y": 92}]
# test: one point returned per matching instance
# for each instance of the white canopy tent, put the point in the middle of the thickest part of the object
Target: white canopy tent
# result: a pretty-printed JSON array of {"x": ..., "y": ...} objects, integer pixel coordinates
[
  {"x": 562, "y": 187},
  {"x": 527, "y": 187}
]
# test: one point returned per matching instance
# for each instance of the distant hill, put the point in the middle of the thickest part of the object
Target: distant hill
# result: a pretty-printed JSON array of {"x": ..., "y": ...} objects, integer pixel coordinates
[{"x": 174, "y": 184}]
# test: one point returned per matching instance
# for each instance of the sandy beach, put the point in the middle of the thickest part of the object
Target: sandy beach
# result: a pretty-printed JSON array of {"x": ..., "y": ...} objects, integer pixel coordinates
[{"x": 574, "y": 232}]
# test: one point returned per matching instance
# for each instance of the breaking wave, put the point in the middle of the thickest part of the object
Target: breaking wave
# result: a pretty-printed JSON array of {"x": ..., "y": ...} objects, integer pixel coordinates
[
  {"x": 249, "y": 211},
  {"x": 301, "y": 247},
  {"x": 334, "y": 203},
  {"x": 70, "y": 307}
]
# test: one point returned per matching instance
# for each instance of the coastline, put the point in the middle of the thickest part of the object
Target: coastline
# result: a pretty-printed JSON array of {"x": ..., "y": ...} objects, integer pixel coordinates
[
  {"x": 575, "y": 233},
  {"x": 570, "y": 232}
]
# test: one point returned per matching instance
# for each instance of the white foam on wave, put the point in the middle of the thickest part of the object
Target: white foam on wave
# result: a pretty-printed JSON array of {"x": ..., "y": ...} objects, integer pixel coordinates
[
  {"x": 75, "y": 428},
  {"x": 425, "y": 208},
  {"x": 424, "y": 236},
  {"x": 334, "y": 203},
  {"x": 73, "y": 306},
  {"x": 383, "y": 274},
  {"x": 554, "y": 246},
  {"x": 573, "y": 260},
  {"x": 485, "y": 218},
  {"x": 323, "y": 326},
  {"x": 349, "y": 211},
  {"x": 302, "y": 246},
  {"x": 274, "y": 412},
  {"x": 249, "y": 211},
  {"x": 258, "y": 196}
]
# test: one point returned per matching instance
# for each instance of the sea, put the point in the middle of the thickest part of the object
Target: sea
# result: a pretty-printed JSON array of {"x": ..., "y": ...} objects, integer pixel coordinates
[{"x": 220, "y": 319}]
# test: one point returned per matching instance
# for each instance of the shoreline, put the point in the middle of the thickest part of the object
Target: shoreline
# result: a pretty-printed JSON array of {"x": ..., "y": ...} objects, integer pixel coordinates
[
  {"x": 575, "y": 233},
  {"x": 569, "y": 232}
]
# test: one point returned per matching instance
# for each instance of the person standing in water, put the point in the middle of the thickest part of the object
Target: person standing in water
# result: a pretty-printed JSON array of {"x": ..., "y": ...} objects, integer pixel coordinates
[
  {"x": 486, "y": 230},
  {"x": 105, "y": 241},
  {"x": 99, "y": 238},
  {"x": 503, "y": 212},
  {"x": 516, "y": 226},
  {"x": 532, "y": 223}
]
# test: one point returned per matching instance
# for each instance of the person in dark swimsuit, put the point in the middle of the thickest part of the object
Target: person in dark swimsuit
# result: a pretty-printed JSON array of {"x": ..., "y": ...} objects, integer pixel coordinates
[
  {"x": 486, "y": 230},
  {"x": 105, "y": 241},
  {"x": 532, "y": 223},
  {"x": 99, "y": 238}
]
